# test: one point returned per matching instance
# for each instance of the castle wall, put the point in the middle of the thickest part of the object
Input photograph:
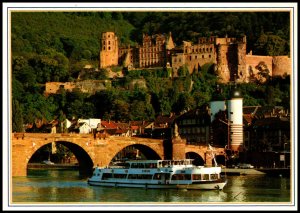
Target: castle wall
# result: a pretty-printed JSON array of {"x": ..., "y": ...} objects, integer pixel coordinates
[
  {"x": 89, "y": 86},
  {"x": 222, "y": 63},
  {"x": 53, "y": 87},
  {"x": 252, "y": 61},
  {"x": 281, "y": 65}
]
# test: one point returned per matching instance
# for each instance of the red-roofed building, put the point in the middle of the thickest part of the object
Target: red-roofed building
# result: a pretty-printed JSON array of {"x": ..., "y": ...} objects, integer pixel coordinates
[{"x": 141, "y": 127}]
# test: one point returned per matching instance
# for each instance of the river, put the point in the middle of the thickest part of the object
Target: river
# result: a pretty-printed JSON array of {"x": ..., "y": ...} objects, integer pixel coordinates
[{"x": 67, "y": 187}]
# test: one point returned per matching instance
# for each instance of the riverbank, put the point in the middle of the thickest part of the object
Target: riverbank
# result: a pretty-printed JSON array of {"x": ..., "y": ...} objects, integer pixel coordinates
[
  {"x": 233, "y": 171},
  {"x": 54, "y": 166},
  {"x": 275, "y": 172}
]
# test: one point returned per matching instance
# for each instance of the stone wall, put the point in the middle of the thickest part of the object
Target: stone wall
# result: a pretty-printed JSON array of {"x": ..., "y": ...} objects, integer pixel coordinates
[
  {"x": 252, "y": 61},
  {"x": 53, "y": 87},
  {"x": 281, "y": 65},
  {"x": 88, "y": 86}
]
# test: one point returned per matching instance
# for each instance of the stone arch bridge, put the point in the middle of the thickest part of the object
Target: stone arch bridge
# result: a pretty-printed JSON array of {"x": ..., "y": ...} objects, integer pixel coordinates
[{"x": 91, "y": 151}]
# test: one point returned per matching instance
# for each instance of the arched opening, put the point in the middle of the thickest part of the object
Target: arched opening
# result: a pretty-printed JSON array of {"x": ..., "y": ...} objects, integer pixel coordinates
[
  {"x": 136, "y": 152},
  {"x": 62, "y": 154},
  {"x": 198, "y": 160},
  {"x": 221, "y": 160}
]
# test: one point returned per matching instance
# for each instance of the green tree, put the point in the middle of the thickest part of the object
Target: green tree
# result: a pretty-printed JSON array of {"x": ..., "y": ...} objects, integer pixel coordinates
[
  {"x": 269, "y": 44},
  {"x": 183, "y": 71},
  {"x": 17, "y": 117}
]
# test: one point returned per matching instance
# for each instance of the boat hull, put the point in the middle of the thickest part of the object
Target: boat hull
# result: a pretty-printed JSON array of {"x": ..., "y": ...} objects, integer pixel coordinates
[{"x": 216, "y": 185}]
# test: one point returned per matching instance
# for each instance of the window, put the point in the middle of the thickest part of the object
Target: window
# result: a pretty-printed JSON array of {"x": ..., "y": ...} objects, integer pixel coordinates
[
  {"x": 181, "y": 177},
  {"x": 196, "y": 177},
  {"x": 105, "y": 176},
  {"x": 214, "y": 176},
  {"x": 206, "y": 177}
]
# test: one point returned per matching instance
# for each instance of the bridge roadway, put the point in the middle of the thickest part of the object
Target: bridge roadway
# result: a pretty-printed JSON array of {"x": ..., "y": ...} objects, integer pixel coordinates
[{"x": 91, "y": 151}]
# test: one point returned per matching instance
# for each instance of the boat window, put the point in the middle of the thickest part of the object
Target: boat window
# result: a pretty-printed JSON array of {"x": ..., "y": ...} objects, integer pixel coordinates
[
  {"x": 105, "y": 176},
  {"x": 150, "y": 165},
  {"x": 140, "y": 176},
  {"x": 141, "y": 165},
  {"x": 214, "y": 176},
  {"x": 134, "y": 165},
  {"x": 206, "y": 177},
  {"x": 196, "y": 177},
  {"x": 156, "y": 176},
  {"x": 181, "y": 177},
  {"x": 121, "y": 176}
]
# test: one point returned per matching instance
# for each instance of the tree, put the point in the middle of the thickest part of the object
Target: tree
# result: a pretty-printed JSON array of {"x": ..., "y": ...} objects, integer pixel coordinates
[
  {"x": 183, "y": 71},
  {"x": 140, "y": 110},
  {"x": 269, "y": 44},
  {"x": 17, "y": 117},
  {"x": 263, "y": 72}
]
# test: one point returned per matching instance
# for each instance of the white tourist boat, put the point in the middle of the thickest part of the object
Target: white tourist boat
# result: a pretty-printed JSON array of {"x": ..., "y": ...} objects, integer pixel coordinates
[{"x": 159, "y": 174}]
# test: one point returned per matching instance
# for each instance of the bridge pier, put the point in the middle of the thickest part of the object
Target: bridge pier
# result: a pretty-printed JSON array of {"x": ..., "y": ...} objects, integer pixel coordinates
[{"x": 178, "y": 148}]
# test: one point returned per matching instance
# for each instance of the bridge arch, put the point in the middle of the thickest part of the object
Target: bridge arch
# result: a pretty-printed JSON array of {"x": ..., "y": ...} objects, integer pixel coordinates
[
  {"x": 198, "y": 160},
  {"x": 144, "y": 150},
  {"x": 84, "y": 159}
]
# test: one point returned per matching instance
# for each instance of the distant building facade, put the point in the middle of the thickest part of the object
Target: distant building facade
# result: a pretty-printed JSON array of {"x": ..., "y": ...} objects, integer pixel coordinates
[{"x": 228, "y": 55}]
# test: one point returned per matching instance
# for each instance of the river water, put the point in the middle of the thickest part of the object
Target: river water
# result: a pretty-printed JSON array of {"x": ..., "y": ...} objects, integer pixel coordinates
[{"x": 67, "y": 187}]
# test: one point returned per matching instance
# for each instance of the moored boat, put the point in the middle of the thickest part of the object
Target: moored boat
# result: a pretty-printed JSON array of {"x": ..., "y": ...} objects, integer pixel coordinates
[{"x": 159, "y": 174}]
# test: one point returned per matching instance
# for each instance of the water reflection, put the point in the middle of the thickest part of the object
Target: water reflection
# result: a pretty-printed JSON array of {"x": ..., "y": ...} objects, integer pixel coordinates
[{"x": 66, "y": 186}]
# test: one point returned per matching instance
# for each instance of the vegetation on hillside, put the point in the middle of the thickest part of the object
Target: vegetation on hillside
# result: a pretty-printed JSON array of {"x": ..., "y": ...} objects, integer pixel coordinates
[{"x": 55, "y": 46}]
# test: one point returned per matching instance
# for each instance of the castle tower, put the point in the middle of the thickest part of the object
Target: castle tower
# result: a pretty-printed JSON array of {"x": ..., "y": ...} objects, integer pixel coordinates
[
  {"x": 235, "y": 116},
  {"x": 241, "y": 61},
  {"x": 109, "y": 50},
  {"x": 222, "y": 62},
  {"x": 169, "y": 43}
]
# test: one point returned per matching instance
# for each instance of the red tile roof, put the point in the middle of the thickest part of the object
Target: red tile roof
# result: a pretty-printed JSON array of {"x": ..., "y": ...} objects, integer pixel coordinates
[{"x": 109, "y": 124}]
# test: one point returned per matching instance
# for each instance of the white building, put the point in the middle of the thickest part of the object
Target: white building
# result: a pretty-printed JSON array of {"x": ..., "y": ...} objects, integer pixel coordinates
[
  {"x": 84, "y": 128},
  {"x": 92, "y": 122}
]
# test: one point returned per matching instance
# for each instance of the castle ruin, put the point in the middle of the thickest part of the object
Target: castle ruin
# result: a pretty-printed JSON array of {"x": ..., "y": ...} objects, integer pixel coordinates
[{"x": 231, "y": 62}]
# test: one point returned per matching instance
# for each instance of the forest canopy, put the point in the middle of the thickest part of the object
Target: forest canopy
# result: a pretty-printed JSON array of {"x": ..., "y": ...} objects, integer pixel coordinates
[{"x": 54, "y": 46}]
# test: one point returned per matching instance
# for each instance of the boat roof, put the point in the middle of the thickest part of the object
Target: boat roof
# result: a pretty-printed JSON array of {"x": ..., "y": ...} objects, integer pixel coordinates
[{"x": 157, "y": 161}]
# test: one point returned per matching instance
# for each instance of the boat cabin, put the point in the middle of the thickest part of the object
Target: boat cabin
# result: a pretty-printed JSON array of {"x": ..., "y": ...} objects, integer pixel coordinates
[{"x": 151, "y": 163}]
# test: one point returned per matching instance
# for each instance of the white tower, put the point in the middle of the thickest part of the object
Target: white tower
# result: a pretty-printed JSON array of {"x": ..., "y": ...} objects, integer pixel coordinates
[{"x": 235, "y": 116}]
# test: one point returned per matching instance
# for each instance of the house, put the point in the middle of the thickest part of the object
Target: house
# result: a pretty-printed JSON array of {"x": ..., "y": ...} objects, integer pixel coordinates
[
  {"x": 92, "y": 122},
  {"x": 141, "y": 127},
  {"x": 266, "y": 128},
  {"x": 80, "y": 127},
  {"x": 194, "y": 126}
]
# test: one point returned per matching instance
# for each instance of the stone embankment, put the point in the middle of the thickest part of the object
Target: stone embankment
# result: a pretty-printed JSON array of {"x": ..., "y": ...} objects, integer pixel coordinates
[{"x": 232, "y": 171}]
